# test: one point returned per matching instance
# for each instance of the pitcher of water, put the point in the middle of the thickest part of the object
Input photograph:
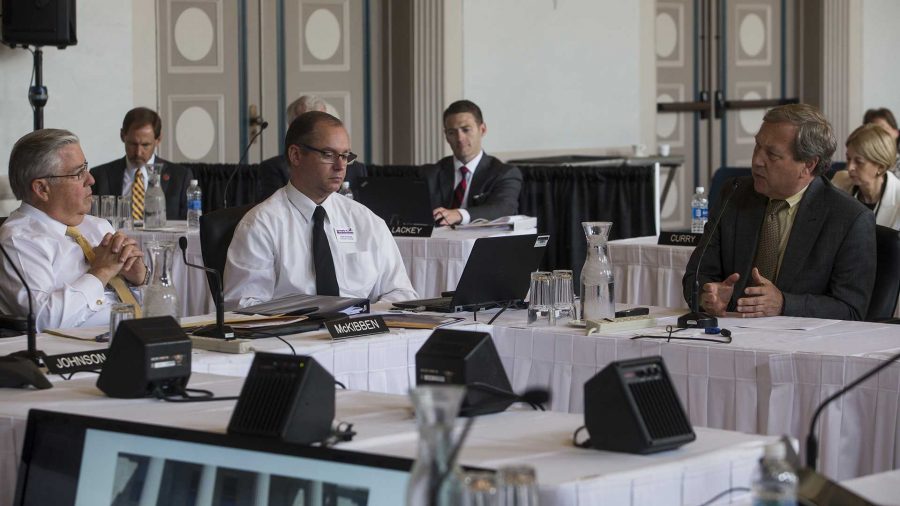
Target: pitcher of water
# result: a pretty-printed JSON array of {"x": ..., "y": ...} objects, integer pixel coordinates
[
  {"x": 160, "y": 298},
  {"x": 154, "y": 198},
  {"x": 597, "y": 284}
]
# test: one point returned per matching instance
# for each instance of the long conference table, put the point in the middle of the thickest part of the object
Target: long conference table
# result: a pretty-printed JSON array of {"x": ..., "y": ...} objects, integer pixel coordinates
[
  {"x": 765, "y": 381},
  {"x": 434, "y": 264},
  {"x": 717, "y": 461}
]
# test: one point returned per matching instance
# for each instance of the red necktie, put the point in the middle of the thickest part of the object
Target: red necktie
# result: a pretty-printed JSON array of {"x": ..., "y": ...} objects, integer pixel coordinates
[{"x": 459, "y": 194}]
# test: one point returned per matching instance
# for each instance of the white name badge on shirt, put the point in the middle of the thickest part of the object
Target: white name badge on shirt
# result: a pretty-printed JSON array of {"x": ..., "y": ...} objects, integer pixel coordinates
[{"x": 345, "y": 234}]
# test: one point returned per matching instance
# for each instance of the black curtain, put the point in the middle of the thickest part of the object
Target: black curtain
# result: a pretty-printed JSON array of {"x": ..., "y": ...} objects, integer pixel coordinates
[
  {"x": 394, "y": 170},
  {"x": 562, "y": 197},
  {"x": 212, "y": 178}
]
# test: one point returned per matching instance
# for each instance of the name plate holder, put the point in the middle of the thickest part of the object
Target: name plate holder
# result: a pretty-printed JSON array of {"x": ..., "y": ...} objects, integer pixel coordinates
[
  {"x": 68, "y": 363},
  {"x": 679, "y": 239},
  {"x": 411, "y": 229},
  {"x": 346, "y": 328}
]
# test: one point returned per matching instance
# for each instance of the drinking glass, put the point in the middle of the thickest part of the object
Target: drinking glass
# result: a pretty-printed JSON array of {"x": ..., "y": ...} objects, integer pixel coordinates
[
  {"x": 124, "y": 213},
  {"x": 517, "y": 486},
  {"x": 540, "y": 305},
  {"x": 108, "y": 210},
  {"x": 480, "y": 489},
  {"x": 118, "y": 313},
  {"x": 95, "y": 205},
  {"x": 564, "y": 295}
]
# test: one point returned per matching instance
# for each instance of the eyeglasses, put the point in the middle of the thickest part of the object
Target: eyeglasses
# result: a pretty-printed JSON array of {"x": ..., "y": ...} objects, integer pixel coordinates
[
  {"x": 80, "y": 176},
  {"x": 330, "y": 156}
]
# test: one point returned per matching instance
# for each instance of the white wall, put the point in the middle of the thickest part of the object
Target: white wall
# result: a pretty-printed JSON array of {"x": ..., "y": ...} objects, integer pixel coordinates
[
  {"x": 90, "y": 85},
  {"x": 880, "y": 40},
  {"x": 586, "y": 51}
]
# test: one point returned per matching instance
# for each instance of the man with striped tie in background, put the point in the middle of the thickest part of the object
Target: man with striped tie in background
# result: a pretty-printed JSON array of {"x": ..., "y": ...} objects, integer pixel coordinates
[
  {"x": 141, "y": 133},
  {"x": 75, "y": 264}
]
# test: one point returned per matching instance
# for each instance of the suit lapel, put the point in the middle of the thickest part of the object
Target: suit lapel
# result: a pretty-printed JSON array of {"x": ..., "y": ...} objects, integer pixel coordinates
[
  {"x": 116, "y": 175},
  {"x": 481, "y": 177},
  {"x": 811, "y": 215},
  {"x": 749, "y": 214},
  {"x": 164, "y": 176}
]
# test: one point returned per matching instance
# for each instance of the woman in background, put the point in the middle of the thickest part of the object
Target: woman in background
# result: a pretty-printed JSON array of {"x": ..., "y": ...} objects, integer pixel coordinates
[
  {"x": 884, "y": 118},
  {"x": 871, "y": 151}
]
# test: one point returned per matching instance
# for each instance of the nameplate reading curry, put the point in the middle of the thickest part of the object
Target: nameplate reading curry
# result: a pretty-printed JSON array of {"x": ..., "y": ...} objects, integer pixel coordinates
[
  {"x": 346, "y": 328},
  {"x": 679, "y": 238},
  {"x": 67, "y": 363}
]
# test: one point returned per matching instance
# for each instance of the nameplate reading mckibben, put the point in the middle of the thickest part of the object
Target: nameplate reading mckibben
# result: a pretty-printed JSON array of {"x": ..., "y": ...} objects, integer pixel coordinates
[
  {"x": 342, "y": 329},
  {"x": 68, "y": 363}
]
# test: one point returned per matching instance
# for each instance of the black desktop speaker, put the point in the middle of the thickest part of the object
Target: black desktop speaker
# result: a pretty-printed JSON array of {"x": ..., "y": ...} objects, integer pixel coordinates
[
  {"x": 39, "y": 23},
  {"x": 288, "y": 397},
  {"x": 456, "y": 357},
  {"x": 150, "y": 356},
  {"x": 631, "y": 406}
]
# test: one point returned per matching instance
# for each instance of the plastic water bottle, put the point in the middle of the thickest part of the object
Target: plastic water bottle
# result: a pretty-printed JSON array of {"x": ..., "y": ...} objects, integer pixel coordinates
[
  {"x": 194, "y": 204},
  {"x": 345, "y": 190},
  {"x": 775, "y": 481},
  {"x": 699, "y": 210}
]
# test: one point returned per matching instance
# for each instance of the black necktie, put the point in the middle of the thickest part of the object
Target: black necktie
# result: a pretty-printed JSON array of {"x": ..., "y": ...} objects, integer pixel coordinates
[{"x": 326, "y": 279}]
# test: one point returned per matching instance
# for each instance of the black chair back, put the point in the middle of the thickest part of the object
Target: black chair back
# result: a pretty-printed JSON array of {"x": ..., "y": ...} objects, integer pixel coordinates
[
  {"x": 835, "y": 168},
  {"x": 887, "y": 274},
  {"x": 216, "y": 231},
  {"x": 3, "y": 219},
  {"x": 718, "y": 180}
]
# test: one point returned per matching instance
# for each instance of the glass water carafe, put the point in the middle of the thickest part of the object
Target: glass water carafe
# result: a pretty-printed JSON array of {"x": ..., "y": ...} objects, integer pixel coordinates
[
  {"x": 154, "y": 198},
  {"x": 160, "y": 298},
  {"x": 434, "y": 480},
  {"x": 597, "y": 283}
]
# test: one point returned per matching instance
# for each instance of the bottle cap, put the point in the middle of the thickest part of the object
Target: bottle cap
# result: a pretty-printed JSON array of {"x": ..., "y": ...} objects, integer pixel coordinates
[
  {"x": 775, "y": 451},
  {"x": 345, "y": 184},
  {"x": 699, "y": 189},
  {"x": 195, "y": 182}
]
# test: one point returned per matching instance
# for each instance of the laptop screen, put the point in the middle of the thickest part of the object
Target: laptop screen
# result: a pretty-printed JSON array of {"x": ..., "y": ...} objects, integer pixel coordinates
[
  {"x": 77, "y": 460},
  {"x": 396, "y": 200}
]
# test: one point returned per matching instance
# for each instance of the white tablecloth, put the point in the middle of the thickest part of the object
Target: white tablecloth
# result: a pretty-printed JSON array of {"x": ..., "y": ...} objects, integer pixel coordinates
[
  {"x": 764, "y": 382},
  {"x": 648, "y": 274},
  {"x": 434, "y": 264},
  {"x": 716, "y": 461},
  {"x": 881, "y": 488}
]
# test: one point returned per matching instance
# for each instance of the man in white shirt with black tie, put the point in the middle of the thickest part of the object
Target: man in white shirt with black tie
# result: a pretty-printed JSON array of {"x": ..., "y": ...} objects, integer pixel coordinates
[
  {"x": 75, "y": 264},
  {"x": 306, "y": 238}
]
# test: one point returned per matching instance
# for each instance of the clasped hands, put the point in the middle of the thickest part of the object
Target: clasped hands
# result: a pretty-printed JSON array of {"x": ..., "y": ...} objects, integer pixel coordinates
[
  {"x": 761, "y": 297},
  {"x": 443, "y": 216},
  {"x": 118, "y": 254}
]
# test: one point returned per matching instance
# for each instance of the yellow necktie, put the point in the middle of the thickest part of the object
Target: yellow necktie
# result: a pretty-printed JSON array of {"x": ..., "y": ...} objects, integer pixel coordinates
[
  {"x": 117, "y": 282},
  {"x": 137, "y": 197}
]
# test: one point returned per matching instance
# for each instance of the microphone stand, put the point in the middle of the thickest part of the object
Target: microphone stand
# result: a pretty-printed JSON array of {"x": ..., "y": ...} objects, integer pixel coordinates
[
  {"x": 697, "y": 319},
  {"x": 32, "y": 353},
  {"x": 219, "y": 330},
  {"x": 262, "y": 126}
]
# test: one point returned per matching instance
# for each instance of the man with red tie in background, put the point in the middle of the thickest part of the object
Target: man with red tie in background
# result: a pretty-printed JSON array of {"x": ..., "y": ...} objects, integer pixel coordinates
[{"x": 470, "y": 184}]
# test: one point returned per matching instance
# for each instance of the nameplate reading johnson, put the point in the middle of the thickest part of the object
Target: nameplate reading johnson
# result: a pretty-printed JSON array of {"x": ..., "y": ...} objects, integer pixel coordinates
[{"x": 68, "y": 363}]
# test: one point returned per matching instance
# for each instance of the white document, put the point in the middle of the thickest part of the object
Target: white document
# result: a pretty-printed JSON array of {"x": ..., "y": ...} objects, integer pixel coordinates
[{"x": 776, "y": 323}]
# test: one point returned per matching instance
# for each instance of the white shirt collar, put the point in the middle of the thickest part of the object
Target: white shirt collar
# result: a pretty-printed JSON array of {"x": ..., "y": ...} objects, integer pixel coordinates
[
  {"x": 472, "y": 165},
  {"x": 305, "y": 205},
  {"x": 33, "y": 212}
]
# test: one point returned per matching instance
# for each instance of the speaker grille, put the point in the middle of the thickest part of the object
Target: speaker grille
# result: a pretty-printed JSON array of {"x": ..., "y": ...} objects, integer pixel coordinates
[
  {"x": 266, "y": 398},
  {"x": 658, "y": 402}
]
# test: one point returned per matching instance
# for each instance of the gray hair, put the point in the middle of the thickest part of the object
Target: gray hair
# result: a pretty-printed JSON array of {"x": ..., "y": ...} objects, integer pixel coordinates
[
  {"x": 815, "y": 138},
  {"x": 34, "y": 156},
  {"x": 304, "y": 104}
]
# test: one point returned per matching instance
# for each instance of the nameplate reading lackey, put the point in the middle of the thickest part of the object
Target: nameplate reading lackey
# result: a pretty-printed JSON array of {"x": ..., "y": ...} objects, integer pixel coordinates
[
  {"x": 679, "y": 238},
  {"x": 369, "y": 325},
  {"x": 68, "y": 363},
  {"x": 411, "y": 230}
]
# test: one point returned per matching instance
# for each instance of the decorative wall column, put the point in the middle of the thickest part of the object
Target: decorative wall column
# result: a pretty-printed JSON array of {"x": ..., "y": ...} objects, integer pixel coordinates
[{"x": 841, "y": 70}]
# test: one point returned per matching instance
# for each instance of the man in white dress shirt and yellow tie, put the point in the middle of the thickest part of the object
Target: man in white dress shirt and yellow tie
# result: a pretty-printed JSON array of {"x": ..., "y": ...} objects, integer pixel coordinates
[
  {"x": 308, "y": 239},
  {"x": 75, "y": 264}
]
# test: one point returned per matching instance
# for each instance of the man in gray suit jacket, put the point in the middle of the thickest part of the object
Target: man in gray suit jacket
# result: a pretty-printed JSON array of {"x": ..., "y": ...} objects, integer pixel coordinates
[
  {"x": 789, "y": 242},
  {"x": 140, "y": 133},
  {"x": 471, "y": 184}
]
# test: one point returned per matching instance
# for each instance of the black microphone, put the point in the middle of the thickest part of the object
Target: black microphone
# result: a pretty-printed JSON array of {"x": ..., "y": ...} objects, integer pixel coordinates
[
  {"x": 697, "y": 319},
  {"x": 262, "y": 126},
  {"x": 32, "y": 353},
  {"x": 219, "y": 330},
  {"x": 812, "y": 442}
]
